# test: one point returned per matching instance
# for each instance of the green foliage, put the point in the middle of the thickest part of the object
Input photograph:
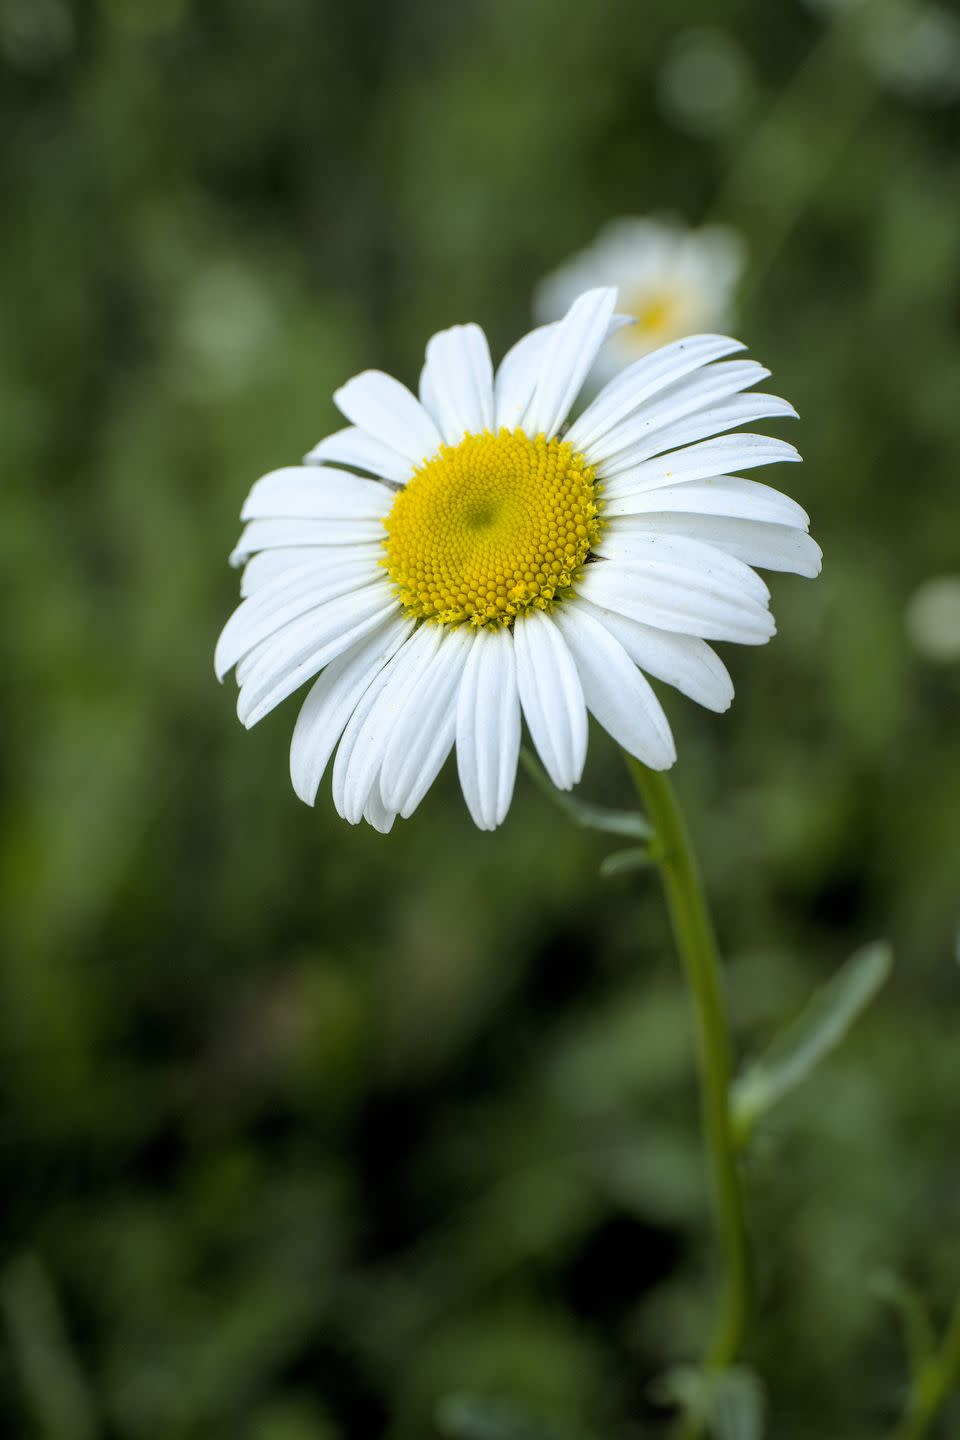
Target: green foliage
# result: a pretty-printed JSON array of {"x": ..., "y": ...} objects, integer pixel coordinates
[
  {"x": 729, "y": 1405},
  {"x": 799, "y": 1047},
  {"x": 463, "y": 1417},
  {"x": 302, "y": 1130}
]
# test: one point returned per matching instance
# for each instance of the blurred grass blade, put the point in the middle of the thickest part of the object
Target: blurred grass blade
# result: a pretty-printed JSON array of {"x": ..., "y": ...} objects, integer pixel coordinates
[
  {"x": 468, "y": 1417},
  {"x": 589, "y": 817},
  {"x": 623, "y": 862},
  {"x": 801, "y": 1045},
  {"x": 56, "y": 1393},
  {"x": 915, "y": 1319}
]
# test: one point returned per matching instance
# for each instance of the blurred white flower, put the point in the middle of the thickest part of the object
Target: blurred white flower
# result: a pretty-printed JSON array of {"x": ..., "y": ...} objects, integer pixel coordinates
[
  {"x": 672, "y": 280},
  {"x": 490, "y": 563},
  {"x": 933, "y": 619}
]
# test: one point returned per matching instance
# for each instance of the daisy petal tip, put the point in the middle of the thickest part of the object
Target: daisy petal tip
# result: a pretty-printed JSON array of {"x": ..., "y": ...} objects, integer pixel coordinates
[
  {"x": 599, "y": 294},
  {"x": 666, "y": 761}
]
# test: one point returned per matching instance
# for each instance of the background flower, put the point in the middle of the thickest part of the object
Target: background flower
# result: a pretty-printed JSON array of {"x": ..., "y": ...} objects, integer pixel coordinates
[{"x": 672, "y": 281}]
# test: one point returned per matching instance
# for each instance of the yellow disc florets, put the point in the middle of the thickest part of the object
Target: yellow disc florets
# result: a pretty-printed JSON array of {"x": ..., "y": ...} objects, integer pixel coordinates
[{"x": 487, "y": 528}]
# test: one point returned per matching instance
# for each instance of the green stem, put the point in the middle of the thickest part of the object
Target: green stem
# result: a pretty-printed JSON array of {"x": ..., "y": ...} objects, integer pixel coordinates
[
  {"x": 698, "y": 949},
  {"x": 932, "y": 1385}
]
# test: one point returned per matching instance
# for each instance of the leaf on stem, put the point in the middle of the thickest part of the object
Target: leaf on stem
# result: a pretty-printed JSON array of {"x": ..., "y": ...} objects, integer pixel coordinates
[
  {"x": 818, "y": 1029},
  {"x": 589, "y": 817},
  {"x": 729, "y": 1403},
  {"x": 624, "y": 862}
]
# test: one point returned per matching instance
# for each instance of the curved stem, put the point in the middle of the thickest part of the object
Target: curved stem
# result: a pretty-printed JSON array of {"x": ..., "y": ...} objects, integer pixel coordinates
[
  {"x": 932, "y": 1386},
  {"x": 693, "y": 932}
]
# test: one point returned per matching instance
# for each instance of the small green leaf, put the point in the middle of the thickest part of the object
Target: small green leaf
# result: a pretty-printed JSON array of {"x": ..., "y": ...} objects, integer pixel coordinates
[
  {"x": 918, "y": 1331},
  {"x": 623, "y": 862},
  {"x": 737, "y": 1411},
  {"x": 818, "y": 1029},
  {"x": 472, "y": 1417},
  {"x": 589, "y": 817},
  {"x": 729, "y": 1403}
]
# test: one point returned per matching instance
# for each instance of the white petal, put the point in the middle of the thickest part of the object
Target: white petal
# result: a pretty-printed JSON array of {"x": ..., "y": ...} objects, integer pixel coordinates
[
  {"x": 423, "y": 736},
  {"x": 268, "y": 565},
  {"x": 643, "y": 549},
  {"x": 456, "y": 385},
  {"x": 755, "y": 542},
  {"x": 519, "y": 370},
  {"x": 387, "y": 411},
  {"x": 360, "y": 755},
  {"x": 313, "y": 492},
  {"x": 376, "y": 813},
  {"x": 646, "y": 377},
  {"x": 351, "y": 446},
  {"x": 288, "y": 660},
  {"x": 552, "y": 697},
  {"x": 271, "y": 564},
  {"x": 569, "y": 353},
  {"x": 332, "y": 700},
  {"x": 691, "y": 602},
  {"x": 697, "y": 462},
  {"x": 283, "y": 599},
  {"x": 488, "y": 727},
  {"x": 722, "y": 495},
  {"x": 615, "y": 691},
  {"x": 683, "y": 661},
  {"x": 705, "y": 388},
  {"x": 331, "y": 535},
  {"x": 517, "y": 377},
  {"x": 741, "y": 410}
]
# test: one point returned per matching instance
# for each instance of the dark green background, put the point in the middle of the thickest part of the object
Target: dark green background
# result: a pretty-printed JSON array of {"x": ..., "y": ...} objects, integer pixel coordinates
[{"x": 302, "y": 1128}]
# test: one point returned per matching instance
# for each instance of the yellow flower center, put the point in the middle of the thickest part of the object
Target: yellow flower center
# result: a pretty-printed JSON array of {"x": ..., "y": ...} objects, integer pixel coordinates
[
  {"x": 657, "y": 312},
  {"x": 489, "y": 527}
]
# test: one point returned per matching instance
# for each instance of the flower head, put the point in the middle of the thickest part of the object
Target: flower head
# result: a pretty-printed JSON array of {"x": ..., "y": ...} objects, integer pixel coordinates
[
  {"x": 448, "y": 564},
  {"x": 672, "y": 281}
]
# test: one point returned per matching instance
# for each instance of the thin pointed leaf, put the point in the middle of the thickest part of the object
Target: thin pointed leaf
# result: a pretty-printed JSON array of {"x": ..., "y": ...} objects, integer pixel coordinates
[
  {"x": 918, "y": 1332},
  {"x": 624, "y": 862},
  {"x": 820, "y": 1027},
  {"x": 589, "y": 817}
]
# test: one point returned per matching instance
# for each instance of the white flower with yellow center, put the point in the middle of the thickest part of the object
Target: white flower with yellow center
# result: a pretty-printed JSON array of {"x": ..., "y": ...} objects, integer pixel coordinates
[
  {"x": 491, "y": 564},
  {"x": 673, "y": 282}
]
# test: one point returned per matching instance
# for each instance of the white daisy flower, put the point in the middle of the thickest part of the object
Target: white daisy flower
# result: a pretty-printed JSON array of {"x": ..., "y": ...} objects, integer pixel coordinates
[
  {"x": 490, "y": 564},
  {"x": 673, "y": 282}
]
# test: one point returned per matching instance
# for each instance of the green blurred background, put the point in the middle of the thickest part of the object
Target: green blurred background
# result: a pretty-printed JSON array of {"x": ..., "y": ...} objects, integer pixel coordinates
[{"x": 304, "y": 1129}]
